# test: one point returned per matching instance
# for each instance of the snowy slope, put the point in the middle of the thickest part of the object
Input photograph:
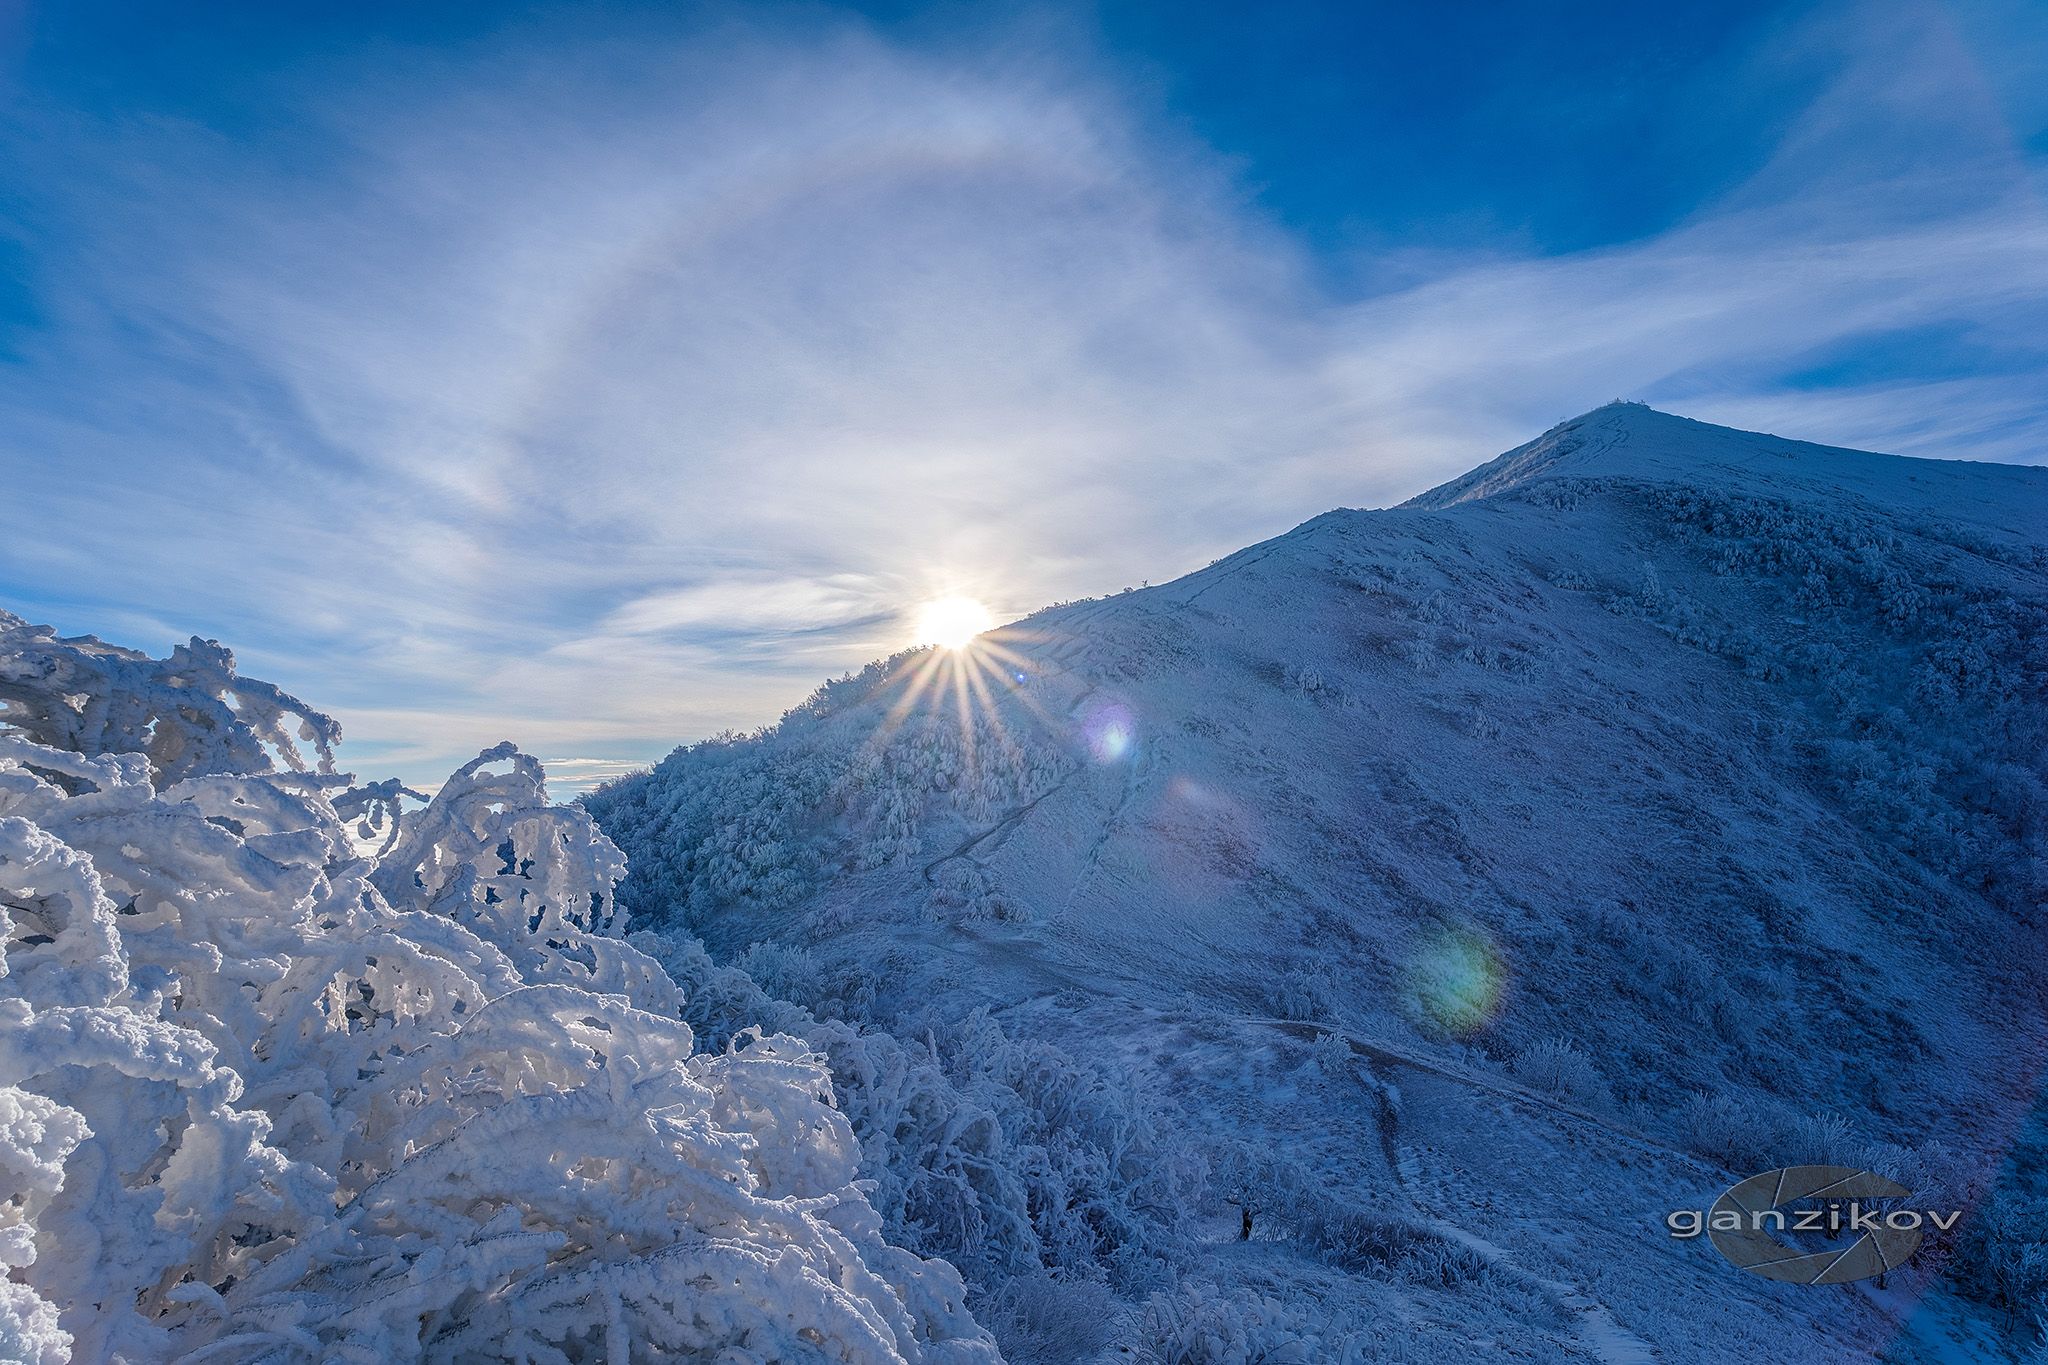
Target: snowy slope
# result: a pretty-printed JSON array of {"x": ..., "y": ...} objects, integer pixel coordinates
[{"x": 1464, "y": 885}]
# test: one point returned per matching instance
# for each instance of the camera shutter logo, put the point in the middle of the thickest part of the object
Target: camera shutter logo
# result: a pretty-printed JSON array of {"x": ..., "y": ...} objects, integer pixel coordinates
[{"x": 1738, "y": 1232}]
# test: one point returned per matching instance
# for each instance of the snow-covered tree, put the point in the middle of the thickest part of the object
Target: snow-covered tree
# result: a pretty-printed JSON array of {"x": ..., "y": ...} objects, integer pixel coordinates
[{"x": 268, "y": 1095}]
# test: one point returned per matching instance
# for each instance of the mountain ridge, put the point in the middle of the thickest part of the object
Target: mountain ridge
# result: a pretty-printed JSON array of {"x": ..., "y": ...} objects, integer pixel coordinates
[
  {"x": 1659, "y": 786},
  {"x": 1627, "y": 439}
]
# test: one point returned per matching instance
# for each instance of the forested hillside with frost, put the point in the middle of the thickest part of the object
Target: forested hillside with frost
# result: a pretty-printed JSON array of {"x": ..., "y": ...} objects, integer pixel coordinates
[{"x": 1352, "y": 950}]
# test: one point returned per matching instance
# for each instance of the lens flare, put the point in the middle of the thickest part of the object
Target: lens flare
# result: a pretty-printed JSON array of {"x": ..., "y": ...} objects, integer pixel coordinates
[
  {"x": 1110, "y": 732},
  {"x": 1456, "y": 981},
  {"x": 951, "y": 622}
]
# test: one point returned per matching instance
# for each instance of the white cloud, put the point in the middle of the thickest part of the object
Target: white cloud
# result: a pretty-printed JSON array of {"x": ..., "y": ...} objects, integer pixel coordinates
[{"x": 750, "y": 606}]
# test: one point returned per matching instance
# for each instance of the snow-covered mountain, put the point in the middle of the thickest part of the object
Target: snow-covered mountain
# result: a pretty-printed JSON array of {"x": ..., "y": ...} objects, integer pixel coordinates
[{"x": 1355, "y": 949}]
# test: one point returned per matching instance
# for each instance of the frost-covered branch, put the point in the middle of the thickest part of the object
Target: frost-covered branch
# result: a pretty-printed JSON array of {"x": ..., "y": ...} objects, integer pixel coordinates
[
  {"x": 190, "y": 713},
  {"x": 268, "y": 1095}
]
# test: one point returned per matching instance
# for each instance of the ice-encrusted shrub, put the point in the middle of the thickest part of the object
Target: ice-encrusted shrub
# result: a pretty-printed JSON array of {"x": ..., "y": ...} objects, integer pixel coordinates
[
  {"x": 265, "y": 1097},
  {"x": 1744, "y": 1132},
  {"x": 2003, "y": 1255},
  {"x": 719, "y": 1001},
  {"x": 1199, "y": 1324},
  {"x": 189, "y": 713},
  {"x": 1332, "y": 1058},
  {"x": 963, "y": 892},
  {"x": 1045, "y": 1321},
  {"x": 1101, "y": 1170},
  {"x": 1555, "y": 1067},
  {"x": 1282, "y": 1198},
  {"x": 1361, "y": 1240},
  {"x": 2000, "y": 1256},
  {"x": 1305, "y": 993},
  {"x": 1270, "y": 1188},
  {"x": 781, "y": 969},
  {"x": 1003, "y": 1156}
]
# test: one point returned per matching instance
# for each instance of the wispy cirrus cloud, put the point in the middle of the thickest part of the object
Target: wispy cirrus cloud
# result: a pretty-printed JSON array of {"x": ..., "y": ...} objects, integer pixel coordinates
[
  {"x": 750, "y": 606},
  {"x": 605, "y": 394}
]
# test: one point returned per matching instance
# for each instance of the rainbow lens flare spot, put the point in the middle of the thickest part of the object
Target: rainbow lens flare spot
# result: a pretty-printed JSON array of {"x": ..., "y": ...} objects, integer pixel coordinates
[{"x": 1457, "y": 980}]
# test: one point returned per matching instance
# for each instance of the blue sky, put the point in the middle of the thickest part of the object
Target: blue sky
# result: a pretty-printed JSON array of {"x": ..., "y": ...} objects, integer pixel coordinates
[{"x": 601, "y": 377}]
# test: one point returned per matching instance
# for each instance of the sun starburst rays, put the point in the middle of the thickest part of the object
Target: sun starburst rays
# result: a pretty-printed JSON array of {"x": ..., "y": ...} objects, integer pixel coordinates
[{"x": 982, "y": 682}]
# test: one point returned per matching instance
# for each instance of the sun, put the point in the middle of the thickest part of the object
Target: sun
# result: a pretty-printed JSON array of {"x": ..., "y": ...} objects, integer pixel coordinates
[{"x": 950, "y": 622}]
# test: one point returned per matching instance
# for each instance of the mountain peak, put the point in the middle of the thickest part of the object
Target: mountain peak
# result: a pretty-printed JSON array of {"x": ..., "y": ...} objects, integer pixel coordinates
[
  {"x": 1620, "y": 411},
  {"x": 1610, "y": 439},
  {"x": 1635, "y": 442}
]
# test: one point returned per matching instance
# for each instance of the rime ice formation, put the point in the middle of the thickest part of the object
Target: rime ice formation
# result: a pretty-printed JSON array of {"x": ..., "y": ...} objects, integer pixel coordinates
[{"x": 266, "y": 1095}]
